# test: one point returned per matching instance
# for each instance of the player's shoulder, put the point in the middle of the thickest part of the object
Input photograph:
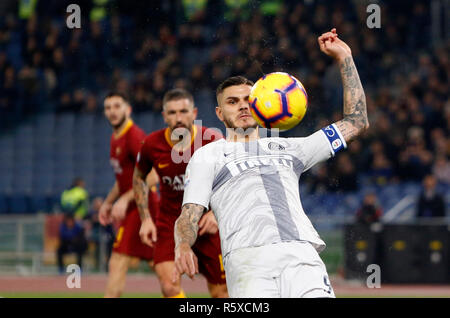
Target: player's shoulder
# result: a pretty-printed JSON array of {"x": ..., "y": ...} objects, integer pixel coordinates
[
  {"x": 155, "y": 136},
  {"x": 211, "y": 148},
  {"x": 135, "y": 130}
]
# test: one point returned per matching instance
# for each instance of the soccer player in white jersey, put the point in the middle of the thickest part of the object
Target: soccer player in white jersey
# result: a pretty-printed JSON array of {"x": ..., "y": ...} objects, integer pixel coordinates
[{"x": 269, "y": 246}]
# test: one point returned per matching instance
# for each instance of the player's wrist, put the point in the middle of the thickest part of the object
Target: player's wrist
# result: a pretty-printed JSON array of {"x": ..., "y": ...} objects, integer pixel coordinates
[
  {"x": 106, "y": 204},
  {"x": 182, "y": 245},
  {"x": 342, "y": 57},
  {"x": 125, "y": 199},
  {"x": 147, "y": 218}
]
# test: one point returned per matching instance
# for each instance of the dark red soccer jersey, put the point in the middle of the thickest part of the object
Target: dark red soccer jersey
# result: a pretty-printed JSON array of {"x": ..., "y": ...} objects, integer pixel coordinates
[
  {"x": 123, "y": 153},
  {"x": 157, "y": 152}
]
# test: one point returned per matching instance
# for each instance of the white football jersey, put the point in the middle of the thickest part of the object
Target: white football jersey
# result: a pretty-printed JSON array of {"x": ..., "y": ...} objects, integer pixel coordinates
[{"x": 252, "y": 187}]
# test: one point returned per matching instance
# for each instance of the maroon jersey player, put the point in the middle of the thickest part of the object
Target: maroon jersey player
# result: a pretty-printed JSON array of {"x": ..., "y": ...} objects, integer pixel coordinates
[
  {"x": 119, "y": 205},
  {"x": 168, "y": 151}
]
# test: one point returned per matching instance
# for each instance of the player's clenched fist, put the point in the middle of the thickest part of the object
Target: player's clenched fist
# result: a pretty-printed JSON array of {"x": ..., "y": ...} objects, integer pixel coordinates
[
  {"x": 185, "y": 262},
  {"x": 208, "y": 224},
  {"x": 148, "y": 232},
  {"x": 104, "y": 214},
  {"x": 331, "y": 45}
]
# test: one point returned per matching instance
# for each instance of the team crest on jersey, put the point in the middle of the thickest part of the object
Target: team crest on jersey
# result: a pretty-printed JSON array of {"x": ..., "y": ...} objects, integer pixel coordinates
[
  {"x": 276, "y": 146},
  {"x": 118, "y": 151}
]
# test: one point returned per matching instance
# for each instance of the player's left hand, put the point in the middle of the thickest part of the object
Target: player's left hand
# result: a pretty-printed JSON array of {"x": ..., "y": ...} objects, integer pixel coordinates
[
  {"x": 185, "y": 262},
  {"x": 119, "y": 209},
  {"x": 331, "y": 45},
  {"x": 208, "y": 224}
]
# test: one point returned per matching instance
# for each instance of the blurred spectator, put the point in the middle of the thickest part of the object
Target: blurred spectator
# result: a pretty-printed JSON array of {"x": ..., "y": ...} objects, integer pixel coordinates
[
  {"x": 344, "y": 174},
  {"x": 71, "y": 240},
  {"x": 75, "y": 200},
  {"x": 194, "y": 10},
  {"x": 441, "y": 170},
  {"x": 91, "y": 105},
  {"x": 431, "y": 204},
  {"x": 370, "y": 212},
  {"x": 415, "y": 159},
  {"x": 381, "y": 170},
  {"x": 102, "y": 237},
  {"x": 319, "y": 182}
]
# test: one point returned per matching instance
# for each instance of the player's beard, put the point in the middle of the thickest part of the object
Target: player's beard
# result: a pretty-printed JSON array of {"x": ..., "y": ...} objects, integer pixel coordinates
[
  {"x": 230, "y": 124},
  {"x": 117, "y": 126}
]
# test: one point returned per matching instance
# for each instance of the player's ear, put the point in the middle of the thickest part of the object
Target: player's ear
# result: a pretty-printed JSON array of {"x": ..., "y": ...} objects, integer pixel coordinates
[
  {"x": 195, "y": 112},
  {"x": 129, "y": 110},
  {"x": 163, "y": 114},
  {"x": 219, "y": 113}
]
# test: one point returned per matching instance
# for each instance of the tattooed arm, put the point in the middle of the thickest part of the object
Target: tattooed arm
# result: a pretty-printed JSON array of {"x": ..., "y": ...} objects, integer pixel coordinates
[
  {"x": 140, "y": 189},
  {"x": 355, "y": 119},
  {"x": 186, "y": 228},
  {"x": 355, "y": 111}
]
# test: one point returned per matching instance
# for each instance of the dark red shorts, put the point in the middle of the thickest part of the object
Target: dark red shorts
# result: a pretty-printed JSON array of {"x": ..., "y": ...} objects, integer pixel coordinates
[
  {"x": 206, "y": 248},
  {"x": 128, "y": 241}
]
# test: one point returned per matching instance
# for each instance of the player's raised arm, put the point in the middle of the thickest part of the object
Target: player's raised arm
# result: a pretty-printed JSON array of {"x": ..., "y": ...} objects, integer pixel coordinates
[
  {"x": 355, "y": 119},
  {"x": 186, "y": 229}
]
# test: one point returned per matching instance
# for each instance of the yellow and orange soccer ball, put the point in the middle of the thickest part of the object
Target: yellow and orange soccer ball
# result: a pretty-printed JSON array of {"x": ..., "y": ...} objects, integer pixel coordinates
[{"x": 278, "y": 100}]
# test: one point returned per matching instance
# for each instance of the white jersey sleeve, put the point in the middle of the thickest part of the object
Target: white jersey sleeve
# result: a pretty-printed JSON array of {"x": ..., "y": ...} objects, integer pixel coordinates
[
  {"x": 199, "y": 177},
  {"x": 320, "y": 146}
]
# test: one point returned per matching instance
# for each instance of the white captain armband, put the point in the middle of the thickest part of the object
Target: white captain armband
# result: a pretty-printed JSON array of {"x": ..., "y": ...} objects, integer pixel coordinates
[{"x": 335, "y": 138}]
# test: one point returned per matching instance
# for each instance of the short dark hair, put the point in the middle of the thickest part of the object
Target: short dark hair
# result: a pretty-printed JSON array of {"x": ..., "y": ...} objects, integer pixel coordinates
[
  {"x": 233, "y": 81},
  {"x": 176, "y": 94},
  {"x": 118, "y": 94},
  {"x": 77, "y": 181}
]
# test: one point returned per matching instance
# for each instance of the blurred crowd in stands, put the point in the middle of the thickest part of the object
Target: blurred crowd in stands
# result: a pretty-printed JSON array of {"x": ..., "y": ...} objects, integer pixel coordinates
[{"x": 143, "y": 48}]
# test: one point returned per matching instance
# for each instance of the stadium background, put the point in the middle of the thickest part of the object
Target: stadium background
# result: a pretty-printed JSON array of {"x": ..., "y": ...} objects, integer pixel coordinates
[{"x": 53, "y": 79}]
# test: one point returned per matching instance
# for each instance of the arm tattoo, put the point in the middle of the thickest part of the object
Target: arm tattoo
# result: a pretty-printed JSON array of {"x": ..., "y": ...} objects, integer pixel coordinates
[
  {"x": 140, "y": 190},
  {"x": 186, "y": 226},
  {"x": 355, "y": 110}
]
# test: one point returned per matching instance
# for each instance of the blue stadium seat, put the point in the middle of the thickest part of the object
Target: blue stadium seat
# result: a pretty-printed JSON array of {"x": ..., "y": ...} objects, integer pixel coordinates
[
  {"x": 84, "y": 155},
  {"x": 65, "y": 122},
  {"x": 3, "y": 204},
  {"x": 158, "y": 122},
  {"x": 103, "y": 183},
  {"x": 39, "y": 203},
  {"x": 22, "y": 182},
  {"x": 351, "y": 202},
  {"x": 145, "y": 120},
  {"x": 6, "y": 182},
  {"x": 85, "y": 122},
  {"x": 6, "y": 142},
  {"x": 410, "y": 188},
  {"x": 205, "y": 102},
  {"x": 390, "y": 190},
  {"x": 331, "y": 201},
  {"x": 42, "y": 182},
  {"x": 19, "y": 204},
  {"x": 6, "y": 159},
  {"x": 43, "y": 156},
  {"x": 44, "y": 125}
]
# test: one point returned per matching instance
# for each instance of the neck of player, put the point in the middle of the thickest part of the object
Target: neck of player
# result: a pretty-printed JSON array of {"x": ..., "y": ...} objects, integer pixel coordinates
[
  {"x": 118, "y": 130},
  {"x": 242, "y": 135}
]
